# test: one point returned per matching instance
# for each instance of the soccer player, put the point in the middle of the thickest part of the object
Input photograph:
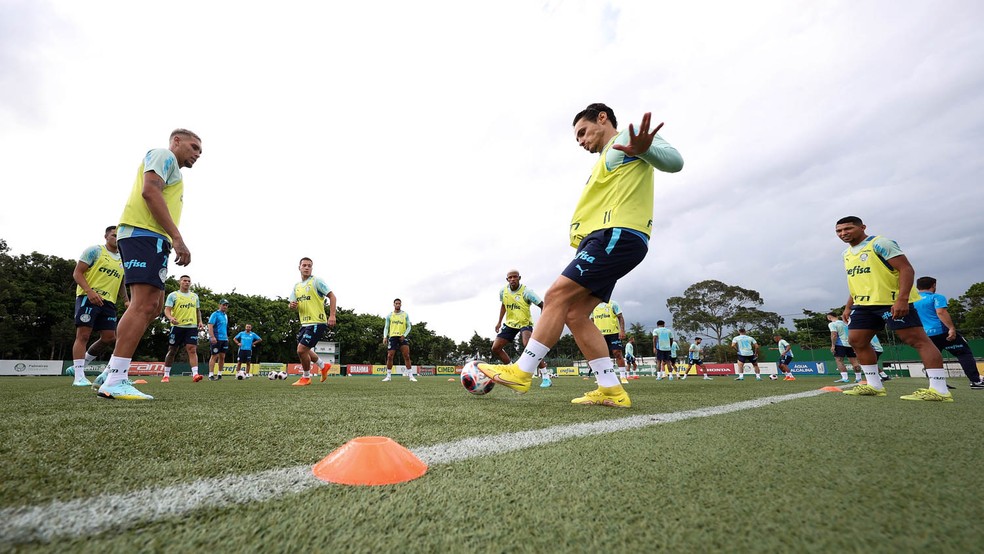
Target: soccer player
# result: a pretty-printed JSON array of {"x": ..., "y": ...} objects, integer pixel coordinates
[
  {"x": 663, "y": 347},
  {"x": 218, "y": 337},
  {"x": 748, "y": 349},
  {"x": 183, "y": 310},
  {"x": 939, "y": 326},
  {"x": 395, "y": 333},
  {"x": 308, "y": 298},
  {"x": 99, "y": 278},
  {"x": 608, "y": 318},
  {"x": 841, "y": 348},
  {"x": 785, "y": 357},
  {"x": 610, "y": 230},
  {"x": 630, "y": 360},
  {"x": 147, "y": 232},
  {"x": 245, "y": 341},
  {"x": 674, "y": 350},
  {"x": 514, "y": 304},
  {"x": 880, "y": 280},
  {"x": 695, "y": 357}
]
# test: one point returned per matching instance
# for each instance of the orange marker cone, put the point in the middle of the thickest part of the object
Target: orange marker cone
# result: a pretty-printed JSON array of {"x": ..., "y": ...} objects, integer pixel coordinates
[
  {"x": 140, "y": 382},
  {"x": 832, "y": 389},
  {"x": 451, "y": 379},
  {"x": 370, "y": 461}
]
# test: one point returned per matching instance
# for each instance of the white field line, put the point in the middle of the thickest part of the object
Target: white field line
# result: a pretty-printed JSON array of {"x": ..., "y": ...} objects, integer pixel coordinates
[{"x": 90, "y": 516}]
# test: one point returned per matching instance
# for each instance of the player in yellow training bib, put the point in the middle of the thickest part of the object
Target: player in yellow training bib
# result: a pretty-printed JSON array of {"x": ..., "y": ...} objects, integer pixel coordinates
[
  {"x": 396, "y": 332},
  {"x": 308, "y": 298},
  {"x": 184, "y": 311},
  {"x": 610, "y": 231},
  {"x": 880, "y": 280},
  {"x": 515, "y": 301}
]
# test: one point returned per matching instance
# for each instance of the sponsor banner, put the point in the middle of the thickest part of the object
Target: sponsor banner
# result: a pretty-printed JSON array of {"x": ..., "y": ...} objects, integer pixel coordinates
[
  {"x": 379, "y": 369},
  {"x": 252, "y": 369},
  {"x": 720, "y": 369},
  {"x": 359, "y": 369},
  {"x": 807, "y": 368},
  {"x": 567, "y": 370},
  {"x": 425, "y": 370},
  {"x": 30, "y": 367},
  {"x": 146, "y": 368},
  {"x": 446, "y": 370}
]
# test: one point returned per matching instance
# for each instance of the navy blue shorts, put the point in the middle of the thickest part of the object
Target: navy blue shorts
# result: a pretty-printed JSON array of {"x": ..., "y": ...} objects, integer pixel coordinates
[
  {"x": 245, "y": 356},
  {"x": 396, "y": 343},
  {"x": 614, "y": 343},
  {"x": 100, "y": 318},
  {"x": 604, "y": 257},
  {"x": 696, "y": 361},
  {"x": 663, "y": 355},
  {"x": 309, "y": 335},
  {"x": 144, "y": 260},
  {"x": 220, "y": 347},
  {"x": 956, "y": 348},
  {"x": 786, "y": 360},
  {"x": 630, "y": 359},
  {"x": 844, "y": 352},
  {"x": 747, "y": 359},
  {"x": 509, "y": 333},
  {"x": 183, "y": 335},
  {"x": 879, "y": 317}
]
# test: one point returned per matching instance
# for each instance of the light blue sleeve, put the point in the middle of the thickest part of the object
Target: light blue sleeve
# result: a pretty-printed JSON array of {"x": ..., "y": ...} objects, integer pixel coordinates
[
  {"x": 661, "y": 155},
  {"x": 169, "y": 302},
  {"x": 409, "y": 326},
  {"x": 530, "y": 296},
  {"x": 616, "y": 309},
  {"x": 162, "y": 162},
  {"x": 321, "y": 286},
  {"x": 213, "y": 319},
  {"x": 293, "y": 295},
  {"x": 886, "y": 248},
  {"x": 386, "y": 328},
  {"x": 240, "y": 334},
  {"x": 90, "y": 255},
  {"x": 939, "y": 301}
]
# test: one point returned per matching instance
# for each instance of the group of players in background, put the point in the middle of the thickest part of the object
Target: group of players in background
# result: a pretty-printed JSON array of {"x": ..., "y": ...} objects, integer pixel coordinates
[{"x": 609, "y": 231}]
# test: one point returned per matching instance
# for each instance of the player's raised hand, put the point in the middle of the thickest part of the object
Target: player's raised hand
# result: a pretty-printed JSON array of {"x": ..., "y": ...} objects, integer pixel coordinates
[{"x": 641, "y": 142}]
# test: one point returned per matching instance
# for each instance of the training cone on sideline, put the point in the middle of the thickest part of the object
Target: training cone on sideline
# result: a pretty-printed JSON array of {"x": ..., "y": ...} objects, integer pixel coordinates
[
  {"x": 140, "y": 382},
  {"x": 370, "y": 461},
  {"x": 832, "y": 389}
]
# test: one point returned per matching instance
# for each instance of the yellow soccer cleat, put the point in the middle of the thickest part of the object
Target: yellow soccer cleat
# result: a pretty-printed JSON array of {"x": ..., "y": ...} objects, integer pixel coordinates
[
  {"x": 615, "y": 397},
  {"x": 508, "y": 375},
  {"x": 865, "y": 390},
  {"x": 929, "y": 395}
]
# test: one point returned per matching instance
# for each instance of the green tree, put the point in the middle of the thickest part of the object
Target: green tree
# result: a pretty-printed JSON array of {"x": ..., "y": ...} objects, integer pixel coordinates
[
  {"x": 713, "y": 309},
  {"x": 968, "y": 312},
  {"x": 643, "y": 339}
]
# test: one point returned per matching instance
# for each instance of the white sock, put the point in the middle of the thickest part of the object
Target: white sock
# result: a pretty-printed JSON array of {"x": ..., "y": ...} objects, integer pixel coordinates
[
  {"x": 871, "y": 374},
  {"x": 307, "y": 374},
  {"x": 622, "y": 373},
  {"x": 389, "y": 372},
  {"x": 317, "y": 364},
  {"x": 78, "y": 367},
  {"x": 194, "y": 370},
  {"x": 119, "y": 371},
  {"x": 937, "y": 380},
  {"x": 604, "y": 372},
  {"x": 89, "y": 358},
  {"x": 844, "y": 375},
  {"x": 535, "y": 351},
  {"x": 167, "y": 371}
]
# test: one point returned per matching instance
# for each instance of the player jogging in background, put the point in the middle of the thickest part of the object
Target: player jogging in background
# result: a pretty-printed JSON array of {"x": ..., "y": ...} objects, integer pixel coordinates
[
  {"x": 663, "y": 347},
  {"x": 785, "y": 357},
  {"x": 99, "y": 278},
  {"x": 840, "y": 346},
  {"x": 674, "y": 351},
  {"x": 308, "y": 298},
  {"x": 608, "y": 318},
  {"x": 147, "y": 232},
  {"x": 610, "y": 231},
  {"x": 631, "y": 367},
  {"x": 696, "y": 357},
  {"x": 183, "y": 310},
  {"x": 245, "y": 340},
  {"x": 395, "y": 333},
  {"x": 748, "y": 349},
  {"x": 880, "y": 280},
  {"x": 514, "y": 304},
  {"x": 218, "y": 337}
]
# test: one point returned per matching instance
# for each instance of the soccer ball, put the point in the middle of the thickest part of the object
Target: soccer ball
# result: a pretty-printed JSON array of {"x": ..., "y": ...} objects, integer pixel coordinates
[
  {"x": 773, "y": 377},
  {"x": 474, "y": 380},
  {"x": 240, "y": 376},
  {"x": 273, "y": 376}
]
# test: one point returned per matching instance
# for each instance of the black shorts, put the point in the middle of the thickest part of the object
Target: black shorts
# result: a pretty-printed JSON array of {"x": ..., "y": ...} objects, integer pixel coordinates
[
  {"x": 309, "y": 335},
  {"x": 662, "y": 355},
  {"x": 614, "y": 343},
  {"x": 880, "y": 317},
  {"x": 786, "y": 360},
  {"x": 696, "y": 361},
  {"x": 958, "y": 347},
  {"x": 100, "y": 318},
  {"x": 604, "y": 257},
  {"x": 747, "y": 359},
  {"x": 844, "y": 352},
  {"x": 245, "y": 356},
  {"x": 630, "y": 359},
  {"x": 220, "y": 347},
  {"x": 509, "y": 333},
  {"x": 144, "y": 260},
  {"x": 396, "y": 343},
  {"x": 183, "y": 335}
]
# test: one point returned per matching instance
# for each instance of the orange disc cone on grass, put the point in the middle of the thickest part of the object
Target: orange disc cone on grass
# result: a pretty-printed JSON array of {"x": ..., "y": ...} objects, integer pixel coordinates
[
  {"x": 832, "y": 389},
  {"x": 140, "y": 382},
  {"x": 370, "y": 461}
]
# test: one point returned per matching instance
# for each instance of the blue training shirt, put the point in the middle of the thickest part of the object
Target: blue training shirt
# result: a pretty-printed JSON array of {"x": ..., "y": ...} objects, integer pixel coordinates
[
  {"x": 926, "y": 308},
  {"x": 246, "y": 339},
  {"x": 220, "y": 321}
]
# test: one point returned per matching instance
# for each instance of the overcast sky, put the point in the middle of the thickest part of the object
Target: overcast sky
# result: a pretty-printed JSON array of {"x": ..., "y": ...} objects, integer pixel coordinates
[{"x": 422, "y": 149}]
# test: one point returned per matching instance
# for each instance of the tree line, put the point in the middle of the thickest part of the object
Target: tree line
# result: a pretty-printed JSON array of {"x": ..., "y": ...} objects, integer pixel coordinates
[{"x": 37, "y": 299}]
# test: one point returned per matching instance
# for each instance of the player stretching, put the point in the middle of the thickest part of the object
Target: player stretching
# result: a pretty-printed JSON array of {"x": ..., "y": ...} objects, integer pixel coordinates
[
  {"x": 610, "y": 229},
  {"x": 147, "y": 232},
  {"x": 514, "y": 304},
  {"x": 880, "y": 280},
  {"x": 395, "y": 333},
  {"x": 308, "y": 298},
  {"x": 99, "y": 275}
]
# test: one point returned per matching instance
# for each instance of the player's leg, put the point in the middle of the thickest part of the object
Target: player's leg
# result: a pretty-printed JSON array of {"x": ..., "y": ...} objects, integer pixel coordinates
[
  {"x": 498, "y": 349},
  {"x": 83, "y": 330},
  {"x": 864, "y": 325},
  {"x": 405, "y": 352},
  {"x": 191, "y": 349},
  {"x": 932, "y": 360},
  {"x": 959, "y": 348},
  {"x": 146, "y": 303}
]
